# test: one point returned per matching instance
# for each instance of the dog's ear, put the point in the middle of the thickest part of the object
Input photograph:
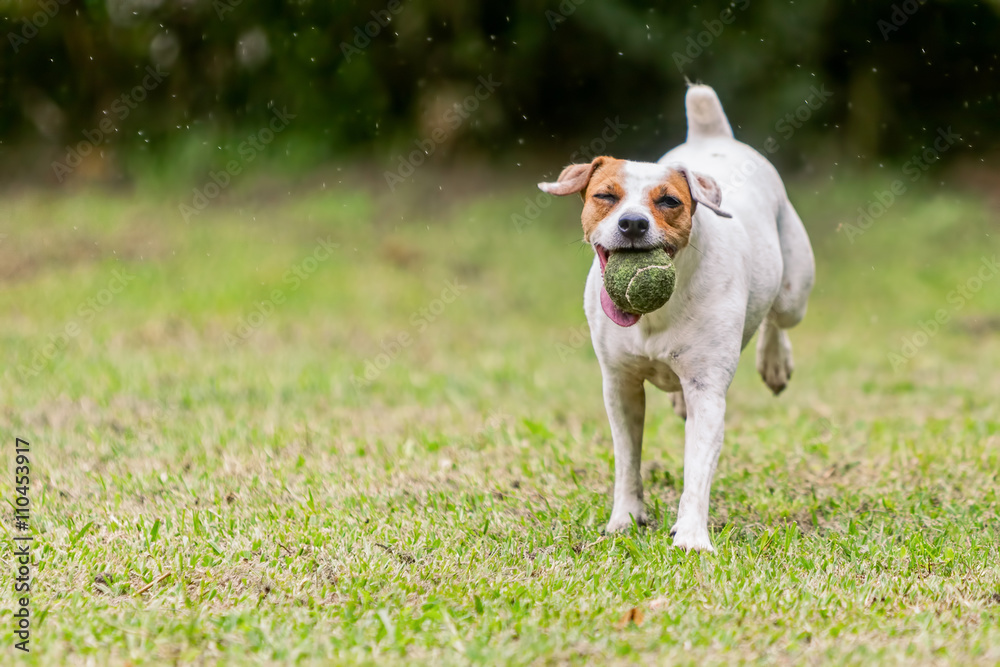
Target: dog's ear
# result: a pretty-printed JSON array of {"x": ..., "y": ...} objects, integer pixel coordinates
[
  {"x": 704, "y": 190},
  {"x": 573, "y": 178}
]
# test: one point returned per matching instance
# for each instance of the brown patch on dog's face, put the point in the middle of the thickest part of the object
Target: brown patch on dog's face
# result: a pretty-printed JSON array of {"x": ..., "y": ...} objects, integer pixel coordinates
[
  {"x": 672, "y": 208},
  {"x": 603, "y": 194}
]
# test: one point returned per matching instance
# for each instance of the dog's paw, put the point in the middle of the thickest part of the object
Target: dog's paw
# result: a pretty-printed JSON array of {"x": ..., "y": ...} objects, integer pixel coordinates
[
  {"x": 625, "y": 520},
  {"x": 774, "y": 359},
  {"x": 680, "y": 406},
  {"x": 692, "y": 538}
]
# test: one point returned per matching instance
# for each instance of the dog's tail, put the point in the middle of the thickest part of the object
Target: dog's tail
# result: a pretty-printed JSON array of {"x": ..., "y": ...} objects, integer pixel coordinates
[{"x": 704, "y": 114}]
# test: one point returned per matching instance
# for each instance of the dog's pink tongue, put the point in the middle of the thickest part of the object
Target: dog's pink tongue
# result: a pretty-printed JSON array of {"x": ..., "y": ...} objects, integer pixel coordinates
[{"x": 617, "y": 315}]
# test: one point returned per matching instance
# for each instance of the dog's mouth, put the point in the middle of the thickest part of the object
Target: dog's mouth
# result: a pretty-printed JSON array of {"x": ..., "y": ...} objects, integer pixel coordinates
[{"x": 614, "y": 313}]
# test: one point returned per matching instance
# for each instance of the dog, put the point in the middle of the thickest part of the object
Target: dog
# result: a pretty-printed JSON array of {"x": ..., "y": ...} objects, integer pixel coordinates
[{"x": 744, "y": 264}]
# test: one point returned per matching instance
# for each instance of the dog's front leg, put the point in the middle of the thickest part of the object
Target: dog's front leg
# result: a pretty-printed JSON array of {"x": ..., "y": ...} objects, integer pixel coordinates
[
  {"x": 625, "y": 401},
  {"x": 706, "y": 412}
]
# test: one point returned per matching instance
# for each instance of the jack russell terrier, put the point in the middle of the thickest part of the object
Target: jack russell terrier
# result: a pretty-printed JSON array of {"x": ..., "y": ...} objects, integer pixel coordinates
[{"x": 744, "y": 263}]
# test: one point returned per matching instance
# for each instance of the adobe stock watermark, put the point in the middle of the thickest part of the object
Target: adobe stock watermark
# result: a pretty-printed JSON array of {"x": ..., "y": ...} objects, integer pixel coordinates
[
  {"x": 22, "y": 541},
  {"x": 598, "y": 146},
  {"x": 121, "y": 107},
  {"x": 914, "y": 168},
  {"x": 579, "y": 337},
  {"x": 420, "y": 320},
  {"x": 697, "y": 43},
  {"x": 454, "y": 118},
  {"x": 910, "y": 345},
  {"x": 86, "y": 311},
  {"x": 613, "y": 128},
  {"x": 363, "y": 35},
  {"x": 566, "y": 9},
  {"x": 292, "y": 280},
  {"x": 248, "y": 151},
  {"x": 32, "y": 25},
  {"x": 495, "y": 423},
  {"x": 826, "y": 428},
  {"x": 786, "y": 127},
  {"x": 796, "y": 119},
  {"x": 901, "y": 13}
]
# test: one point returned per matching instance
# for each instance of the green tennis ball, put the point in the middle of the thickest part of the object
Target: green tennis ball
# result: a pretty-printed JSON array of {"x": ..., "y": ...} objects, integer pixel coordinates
[{"x": 639, "y": 282}]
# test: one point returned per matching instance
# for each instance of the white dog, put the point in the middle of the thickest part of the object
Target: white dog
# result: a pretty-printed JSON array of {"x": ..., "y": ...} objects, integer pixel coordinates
[{"x": 743, "y": 263}]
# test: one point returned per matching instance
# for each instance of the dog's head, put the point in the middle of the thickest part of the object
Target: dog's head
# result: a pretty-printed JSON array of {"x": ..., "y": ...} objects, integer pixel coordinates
[{"x": 636, "y": 205}]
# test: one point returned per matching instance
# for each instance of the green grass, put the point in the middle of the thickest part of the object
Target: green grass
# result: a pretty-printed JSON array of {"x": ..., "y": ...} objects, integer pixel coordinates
[{"x": 449, "y": 510}]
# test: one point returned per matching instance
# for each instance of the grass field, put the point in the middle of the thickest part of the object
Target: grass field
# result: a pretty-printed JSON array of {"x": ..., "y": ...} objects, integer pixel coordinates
[{"x": 402, "y": 454}]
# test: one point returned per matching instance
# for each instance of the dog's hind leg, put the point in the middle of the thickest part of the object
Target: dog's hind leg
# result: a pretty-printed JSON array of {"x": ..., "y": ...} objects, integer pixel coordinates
[
  {"x": 774, "y": 355},
  {"x": 798, "y": 272},
  {"x": 680, "y": 407},
  {"x": 774, "y": 350}
]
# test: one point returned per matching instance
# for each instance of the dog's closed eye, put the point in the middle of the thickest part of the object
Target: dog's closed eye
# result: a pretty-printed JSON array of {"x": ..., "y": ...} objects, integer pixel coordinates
[
  {"x": 668, "y": 201},
  {"x": 608, "y": 197}
]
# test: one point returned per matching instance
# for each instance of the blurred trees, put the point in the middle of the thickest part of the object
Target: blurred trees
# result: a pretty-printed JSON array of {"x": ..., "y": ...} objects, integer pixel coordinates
[{"x": 380, "y": 74}]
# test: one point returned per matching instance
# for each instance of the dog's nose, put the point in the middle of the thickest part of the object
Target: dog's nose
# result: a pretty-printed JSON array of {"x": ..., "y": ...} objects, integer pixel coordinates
[{"x": 632, "y": 226}]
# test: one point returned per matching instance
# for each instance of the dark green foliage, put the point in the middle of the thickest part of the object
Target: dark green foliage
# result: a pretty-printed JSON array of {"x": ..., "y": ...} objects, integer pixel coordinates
[{"x": 564, "y": 69}]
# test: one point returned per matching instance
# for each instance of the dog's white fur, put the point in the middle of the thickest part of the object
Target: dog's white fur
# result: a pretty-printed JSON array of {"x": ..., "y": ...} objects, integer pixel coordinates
[{"x": 735, "y": 276}]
